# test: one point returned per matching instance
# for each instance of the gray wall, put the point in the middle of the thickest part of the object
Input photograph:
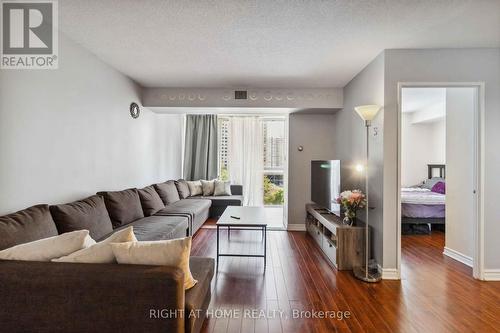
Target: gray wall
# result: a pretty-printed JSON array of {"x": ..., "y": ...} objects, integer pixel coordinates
[
  {"x": 377, "y": 84},
  {"x": 444, "y": 65},
  {"x": 67, "y": 133},
  {"x": 350, "y": 134},
  {"x": 294, "y": 98},
  {"x": 315, "y": 132}
]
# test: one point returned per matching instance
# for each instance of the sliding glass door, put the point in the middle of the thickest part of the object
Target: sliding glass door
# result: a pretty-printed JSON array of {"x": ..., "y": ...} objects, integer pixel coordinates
[
  {"x": 242, "y": 140},
  {"x": 274, "y": 155}
]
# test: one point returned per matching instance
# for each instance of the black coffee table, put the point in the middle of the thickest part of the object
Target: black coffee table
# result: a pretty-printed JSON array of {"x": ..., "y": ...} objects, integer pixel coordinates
[{"x": 250, "y": 218}]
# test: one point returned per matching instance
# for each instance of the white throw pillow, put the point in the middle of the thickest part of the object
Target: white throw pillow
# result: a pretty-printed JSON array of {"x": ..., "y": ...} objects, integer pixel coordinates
[
  {"x": 49, "y": 248},
  {"x": 174, "y": 252},
  {"x": 100, "y": 253},
  {"x": 208, "y": 187},
  {"x": 195, "y": 188},
  {"x": 222, "y": 188}
]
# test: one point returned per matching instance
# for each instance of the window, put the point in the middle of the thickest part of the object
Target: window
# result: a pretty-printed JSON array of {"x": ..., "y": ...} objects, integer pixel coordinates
[{"x": 273, "y": 155}]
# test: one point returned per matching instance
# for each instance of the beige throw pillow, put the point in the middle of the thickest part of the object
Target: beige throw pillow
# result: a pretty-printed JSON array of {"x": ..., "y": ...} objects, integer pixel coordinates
[
  {"x": 222, "y": 188},
  {"x": 174, "y": 252},
  {"x": 50, "y": 248},
  {"x": 208, "y": 187},
  {"x": 100, "y": 253},
  {"x": 195, "y": 188}
]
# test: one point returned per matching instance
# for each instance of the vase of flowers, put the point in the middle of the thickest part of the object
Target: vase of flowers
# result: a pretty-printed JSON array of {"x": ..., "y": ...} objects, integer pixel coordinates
[{"x": 351, "y": 201}]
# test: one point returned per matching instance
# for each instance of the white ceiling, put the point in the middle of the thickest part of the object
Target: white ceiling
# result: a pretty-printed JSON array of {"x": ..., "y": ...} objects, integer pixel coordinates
[
  {"x": 266, "y": 43},
  {"x": 416, "y": 99}
]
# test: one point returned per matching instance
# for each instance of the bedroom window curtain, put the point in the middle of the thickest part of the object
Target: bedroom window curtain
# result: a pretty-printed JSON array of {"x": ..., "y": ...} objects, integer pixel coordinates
[
  {"x": 245, "y": 157},
  {"x": 200, "y": 147}
]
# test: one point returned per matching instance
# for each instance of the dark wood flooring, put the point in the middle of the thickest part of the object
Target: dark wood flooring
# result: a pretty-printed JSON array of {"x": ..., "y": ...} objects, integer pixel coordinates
[{"x": 436, "y": 294}]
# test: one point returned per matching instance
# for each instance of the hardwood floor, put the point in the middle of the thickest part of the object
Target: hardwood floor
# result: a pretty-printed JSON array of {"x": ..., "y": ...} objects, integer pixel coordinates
[{"x": 437, "y": 294}]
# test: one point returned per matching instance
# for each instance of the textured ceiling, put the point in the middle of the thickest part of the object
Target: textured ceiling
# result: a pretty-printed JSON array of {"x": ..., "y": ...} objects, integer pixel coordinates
[{"x": 266, "y": 43}]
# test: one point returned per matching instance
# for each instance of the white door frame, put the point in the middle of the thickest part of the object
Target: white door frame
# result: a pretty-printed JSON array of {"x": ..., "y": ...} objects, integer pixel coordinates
[
  {"x": 285, "y": 175},
  {"x": 478, "y": 257}
]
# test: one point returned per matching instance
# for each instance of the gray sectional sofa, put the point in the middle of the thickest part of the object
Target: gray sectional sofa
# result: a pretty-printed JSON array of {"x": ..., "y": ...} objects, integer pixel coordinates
[
  {"x": 219, "y": 203},
  {"x": 50, "y": 296}
]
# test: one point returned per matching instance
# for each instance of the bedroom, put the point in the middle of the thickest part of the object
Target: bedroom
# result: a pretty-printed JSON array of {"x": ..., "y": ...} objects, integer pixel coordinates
[{"x": 437, "y": 170}]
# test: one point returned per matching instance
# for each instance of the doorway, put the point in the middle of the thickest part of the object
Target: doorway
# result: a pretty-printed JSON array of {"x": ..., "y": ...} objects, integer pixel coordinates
[{"x": 439, "y": 182}]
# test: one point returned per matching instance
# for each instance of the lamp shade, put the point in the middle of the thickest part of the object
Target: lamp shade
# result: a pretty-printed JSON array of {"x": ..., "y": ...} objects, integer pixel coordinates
[{"x": 367, "y": 112}]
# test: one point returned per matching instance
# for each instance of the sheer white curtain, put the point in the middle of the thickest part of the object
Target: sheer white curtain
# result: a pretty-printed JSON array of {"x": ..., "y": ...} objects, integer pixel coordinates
[{"x": 246, "y": 158}]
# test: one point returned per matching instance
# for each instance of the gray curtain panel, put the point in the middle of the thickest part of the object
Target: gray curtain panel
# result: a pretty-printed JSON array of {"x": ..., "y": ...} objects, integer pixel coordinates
[{"x": 200, "y": 153}]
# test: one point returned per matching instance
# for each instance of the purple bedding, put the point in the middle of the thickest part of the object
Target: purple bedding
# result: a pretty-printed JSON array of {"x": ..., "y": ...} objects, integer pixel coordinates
[{"x": 422, "y": 210}]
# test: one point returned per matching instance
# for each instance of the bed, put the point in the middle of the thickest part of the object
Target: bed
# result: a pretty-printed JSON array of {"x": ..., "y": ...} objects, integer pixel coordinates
[{"x": 420, "y": 207}]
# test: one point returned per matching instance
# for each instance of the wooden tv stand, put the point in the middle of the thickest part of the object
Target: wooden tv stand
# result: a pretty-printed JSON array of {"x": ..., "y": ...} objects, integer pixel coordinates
[{"x": 343, "y": 245}]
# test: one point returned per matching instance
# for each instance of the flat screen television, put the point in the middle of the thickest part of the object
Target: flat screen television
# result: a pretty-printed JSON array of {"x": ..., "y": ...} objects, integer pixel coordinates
[{"x": 325, "y": 184}]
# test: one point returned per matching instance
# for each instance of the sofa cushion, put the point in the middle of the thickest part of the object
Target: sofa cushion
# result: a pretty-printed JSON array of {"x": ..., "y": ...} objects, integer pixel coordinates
[
  {"x": 195, "y": 188},
  {"x": 100, "y": 253},
  {"x": 197, "y": 298},
  {"x": 123, "y": 206},
  {"x": 191, "y": 206},
  {"x": 223, "y": 200},
  {"x": 159, "y": 227},
  {"x": 196, "y": 210},
  {"x": 167, "y": 192},
  {"x": 49, "y": 248},
  {"x": 208, "y": 187},
  {"x": 236, "y": 189},
  {"x": 182, "y": 188},
  {"x": 90, "y": 214},
  {"x": 26, "y": 226},
  {"x": 172, "y": 252},
  {"x": 150, "y": 200},
  {"x": 222, "y": 188}
]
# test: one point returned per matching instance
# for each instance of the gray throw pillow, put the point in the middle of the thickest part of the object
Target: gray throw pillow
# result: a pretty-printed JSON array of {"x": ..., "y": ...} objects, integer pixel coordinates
[
  {"x": 195, "y": 188},
  {"x": 222, "y": 188},
  {"x": 89, "y": 214},
  {"x": 182, "y": 188},
  {"x": 208, "y": 187},
  {"x": 123, "y": 206},
  {"x": 26, "y": 226},
  {"x": 168, "y": 192},
  {"x": 150, "y": 200}
]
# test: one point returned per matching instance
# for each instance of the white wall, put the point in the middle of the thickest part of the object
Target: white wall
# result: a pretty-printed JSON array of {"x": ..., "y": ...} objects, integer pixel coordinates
[
  {"x": 67, "y": 133},
  {"x": 421, "y": 144},
  {"x": 444, "y": 65},
  {"x": 350, "y": 138},
  {"x": 315, "y": 132}
]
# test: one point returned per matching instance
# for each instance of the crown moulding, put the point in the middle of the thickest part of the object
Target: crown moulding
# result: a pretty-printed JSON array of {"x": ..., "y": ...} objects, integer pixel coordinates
[{"x": 224, "y": 97}]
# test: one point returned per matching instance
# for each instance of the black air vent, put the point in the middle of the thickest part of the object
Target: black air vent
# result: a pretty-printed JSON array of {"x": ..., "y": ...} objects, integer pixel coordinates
[{"x": 240, "y": 94}]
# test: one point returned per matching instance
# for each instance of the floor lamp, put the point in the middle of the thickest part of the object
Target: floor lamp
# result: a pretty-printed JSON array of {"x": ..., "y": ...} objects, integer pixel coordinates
[{"x": 367, "y": 113}]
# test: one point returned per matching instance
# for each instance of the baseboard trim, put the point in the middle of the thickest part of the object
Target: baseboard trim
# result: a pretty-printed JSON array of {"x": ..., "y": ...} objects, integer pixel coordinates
[
  {"x": 491, "y": 275},
  {"x": 296, "y": 227},
  {"x": 389, "y": 273},
  {"x": 458, "y": 256}
]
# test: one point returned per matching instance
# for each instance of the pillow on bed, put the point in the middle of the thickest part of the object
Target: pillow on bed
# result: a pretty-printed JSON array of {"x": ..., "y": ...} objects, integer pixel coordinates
[
  {"x": 429, "y": 183},
  {"x": 439, "y": 187}
]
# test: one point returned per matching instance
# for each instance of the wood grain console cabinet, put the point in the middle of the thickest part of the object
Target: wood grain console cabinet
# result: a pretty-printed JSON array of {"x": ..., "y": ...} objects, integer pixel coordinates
[{"x": 343, "y": 245}]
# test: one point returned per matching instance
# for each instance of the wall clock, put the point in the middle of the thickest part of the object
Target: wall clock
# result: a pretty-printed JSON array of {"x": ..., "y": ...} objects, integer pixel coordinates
[{"x": 135, "y": 111}]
